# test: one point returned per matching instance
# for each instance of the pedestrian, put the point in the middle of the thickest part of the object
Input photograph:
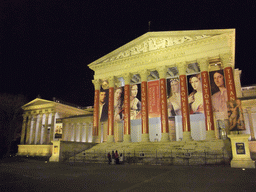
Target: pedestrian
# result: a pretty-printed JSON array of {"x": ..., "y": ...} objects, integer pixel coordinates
[
  {"x": 113, "y": 157},
  {"x": 117, "y": 157},
  {"x": 121, "y": 160},
  {"x": 109, "y": 158}
]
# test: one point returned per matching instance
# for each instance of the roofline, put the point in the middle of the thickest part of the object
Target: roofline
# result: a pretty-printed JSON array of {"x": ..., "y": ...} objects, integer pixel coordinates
[{"x": 162, "y": 33}]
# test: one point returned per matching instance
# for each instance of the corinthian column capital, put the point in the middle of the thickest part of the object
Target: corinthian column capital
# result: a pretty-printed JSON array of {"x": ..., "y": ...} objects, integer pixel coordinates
[
  {"x": 226, "y": 59},
  {"x": 144, "y": 75},
  {"x": 162, "y": 72},
  {"x": 182, "y": 67},
  {"x": 203, "y": 63},
  {"x": 111, "y": 81},
  {"x": 127, "y": 78},
  {"x": 96, "y": 83}
]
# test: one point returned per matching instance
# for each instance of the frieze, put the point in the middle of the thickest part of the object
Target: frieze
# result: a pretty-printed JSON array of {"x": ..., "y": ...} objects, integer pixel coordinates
[{"x": 153, "y": 44}]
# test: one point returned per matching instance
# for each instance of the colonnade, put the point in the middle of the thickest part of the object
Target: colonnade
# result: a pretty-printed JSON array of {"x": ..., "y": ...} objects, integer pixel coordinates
[
  {"x": 162, "y": 71},
  {"x": 77, "y": 132},
  {"x": 37, "y": 128}
]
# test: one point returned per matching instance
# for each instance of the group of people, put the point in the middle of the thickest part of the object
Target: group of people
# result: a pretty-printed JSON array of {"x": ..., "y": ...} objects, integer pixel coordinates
[{"x": 114, "y": 158}]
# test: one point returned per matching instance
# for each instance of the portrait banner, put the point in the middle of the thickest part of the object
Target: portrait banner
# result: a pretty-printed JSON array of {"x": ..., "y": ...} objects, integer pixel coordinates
[
  {"x": 219, "y": 94},
  {"x": 135, "y": 102},
  {"x": 119, "y": 104},
  {"x": 195, "y": 98},
  {"x": 173, "y": 97},
  {"x": 153, "y": 99}
]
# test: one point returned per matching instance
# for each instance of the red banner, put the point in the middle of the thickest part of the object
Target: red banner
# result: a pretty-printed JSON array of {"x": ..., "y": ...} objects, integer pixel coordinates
[
  {"x": 163, "y": 100},
  {"x": 96, "y": 113},
  {"x": 209, "y": 123},
  {"x": 184, "y": 103},
  {"x": 153, "y": 99},
  {"x": 127, "y": 109},
  {"x": 111, "y": 111},
  {"x": 144, "y": 107},
  {"x": 230, "y": 85}
]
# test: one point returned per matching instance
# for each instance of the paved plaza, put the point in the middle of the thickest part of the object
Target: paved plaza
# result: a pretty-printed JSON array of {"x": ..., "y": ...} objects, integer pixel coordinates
[{"x": 32, "y": 175}]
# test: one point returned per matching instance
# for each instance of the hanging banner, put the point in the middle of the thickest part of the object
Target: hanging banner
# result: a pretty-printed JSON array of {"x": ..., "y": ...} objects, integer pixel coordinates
[
  {"x": 135, "y": 103},
  {"x": 219, "y": 94},
  {"x": 58, "y": 129},
  {"x": 184, "y": 103},
  {"x": 230, "y": 84},
  {"x": 96, "y": 113},
  {"x": 144, "y": 105},
  {"x": 195, "y": 98},
  {"x": 153, "y": 99},
  {"x": 173, "y": 101}
]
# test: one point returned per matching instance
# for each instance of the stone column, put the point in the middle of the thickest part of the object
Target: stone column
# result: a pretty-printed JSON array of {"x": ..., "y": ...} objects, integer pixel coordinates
[
  {"x": 184, "y": 102},
  {"x": 28, "y": 138},
  {"x": 52, "y": 127},
  {"x": 95, "y": 131},
  {"x": 34, "y": 129},
  {"x": 110, "y": 137},
  {"x": 209, "y": 122},
  {"x": 127, "y": 123},
  {"x": 24, "y": 129},
  {"x": 81, "y": 132},
  {"x": 229, "y": 77},
  {"x": 250, "y": 123},
  {"x": 163, "y": 100},
  {"x": 39, "y": 131},
  {"x": 45, "y": 128},
  {"x": 144, "y": 106}
]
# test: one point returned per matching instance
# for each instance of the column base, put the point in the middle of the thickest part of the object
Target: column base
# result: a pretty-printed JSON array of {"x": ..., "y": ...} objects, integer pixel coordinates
[
  {"x": 242, "y": 163},
  {"x": 165, "y": 137},
  {"x": 110, "y": 138},
  {"x": 210, "y": 135},
  {"x": 187, "y": 136},
  {"x": 145, "y": 137},
  {"x": 127, "y": 138}
]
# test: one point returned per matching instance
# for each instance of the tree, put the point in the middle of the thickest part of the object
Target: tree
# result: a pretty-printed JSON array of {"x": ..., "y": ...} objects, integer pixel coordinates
[{"x": 10, "y": 121}]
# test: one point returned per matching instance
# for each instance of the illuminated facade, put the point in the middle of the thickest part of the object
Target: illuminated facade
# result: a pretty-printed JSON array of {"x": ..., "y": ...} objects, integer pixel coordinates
[
  {"x": 162, "y": 87},
  {"x": 150, "y": 107},
  {"x": 47, "y": 121}
]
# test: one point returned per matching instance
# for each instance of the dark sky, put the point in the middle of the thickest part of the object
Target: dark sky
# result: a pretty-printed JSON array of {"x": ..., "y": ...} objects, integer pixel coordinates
[{"x": 46, "y": 45}]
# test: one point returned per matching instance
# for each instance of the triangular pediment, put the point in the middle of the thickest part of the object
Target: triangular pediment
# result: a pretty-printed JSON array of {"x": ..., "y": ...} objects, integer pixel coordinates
[
  {"x": 153, "y": 41},
  {"x": 37, "y": 102}
]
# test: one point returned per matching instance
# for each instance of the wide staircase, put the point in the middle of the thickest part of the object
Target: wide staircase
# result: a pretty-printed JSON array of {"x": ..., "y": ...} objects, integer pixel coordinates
[{"x": 161, "y": 153}]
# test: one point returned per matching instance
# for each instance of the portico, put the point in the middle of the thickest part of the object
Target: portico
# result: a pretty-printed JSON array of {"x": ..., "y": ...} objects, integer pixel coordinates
[{"x": 150, "y": 62}]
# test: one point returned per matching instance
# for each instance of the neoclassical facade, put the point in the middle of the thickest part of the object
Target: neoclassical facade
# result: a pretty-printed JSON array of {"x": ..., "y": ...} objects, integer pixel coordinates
[
  {"x": 46, "y": 121},
  {"x": 161, "y": 87},
  {"x": 134, "y": 84}
]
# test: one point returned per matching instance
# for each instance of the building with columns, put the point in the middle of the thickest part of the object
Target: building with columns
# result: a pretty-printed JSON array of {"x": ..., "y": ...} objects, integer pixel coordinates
[
  {"x": 151, "y": 64},
  {"x": 47, "y": 121},
  {"x": 163, "y": 87}
]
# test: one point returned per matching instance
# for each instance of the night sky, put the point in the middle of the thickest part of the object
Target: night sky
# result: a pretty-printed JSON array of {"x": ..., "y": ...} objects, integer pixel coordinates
[{"x": 46, "y": 45}]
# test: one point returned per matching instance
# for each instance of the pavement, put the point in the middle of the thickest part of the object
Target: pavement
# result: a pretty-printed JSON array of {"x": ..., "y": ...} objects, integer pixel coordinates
[{"x": 35, "y": 175}]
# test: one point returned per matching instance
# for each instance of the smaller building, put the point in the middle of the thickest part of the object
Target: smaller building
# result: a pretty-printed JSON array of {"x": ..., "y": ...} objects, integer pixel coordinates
[{"x": 47, "y": 121}]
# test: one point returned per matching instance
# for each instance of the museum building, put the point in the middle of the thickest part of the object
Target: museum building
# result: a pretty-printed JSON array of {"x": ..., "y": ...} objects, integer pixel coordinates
[{"x": 174, "y": 86}]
